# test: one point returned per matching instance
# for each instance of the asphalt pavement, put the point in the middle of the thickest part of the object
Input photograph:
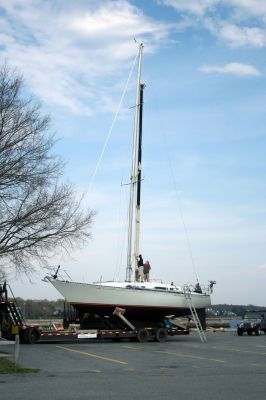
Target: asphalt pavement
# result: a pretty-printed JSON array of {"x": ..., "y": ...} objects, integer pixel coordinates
[{"x": 226, "y": 367}]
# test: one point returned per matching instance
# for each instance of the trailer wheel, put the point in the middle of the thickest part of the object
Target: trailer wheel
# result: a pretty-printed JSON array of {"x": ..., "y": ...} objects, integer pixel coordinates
[
  {"x": 6, "y": 325},
  {"x": 240, "y": 332},
  {"x": 143, "y": 335},
  {"x": 30, "y": 336},
  {"x": 161, "y": 335},
  {"x": 65, "y": 323}
]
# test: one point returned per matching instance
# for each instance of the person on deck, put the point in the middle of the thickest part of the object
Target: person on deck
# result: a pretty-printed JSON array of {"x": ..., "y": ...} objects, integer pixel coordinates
[
  {"x": 197, "y": 288},
  {"x": 140, "y": 276},
  {"x": 146, "y": 271}
]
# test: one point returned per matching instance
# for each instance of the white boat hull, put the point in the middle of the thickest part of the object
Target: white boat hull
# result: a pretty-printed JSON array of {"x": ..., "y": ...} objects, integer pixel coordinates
[{"x": 140, "y": 302}]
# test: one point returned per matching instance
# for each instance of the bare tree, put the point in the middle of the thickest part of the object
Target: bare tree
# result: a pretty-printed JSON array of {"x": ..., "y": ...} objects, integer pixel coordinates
[{"x": 38, "y": 215}]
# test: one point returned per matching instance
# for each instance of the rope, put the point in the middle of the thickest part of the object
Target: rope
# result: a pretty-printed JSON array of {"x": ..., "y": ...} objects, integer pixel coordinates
[
  {"x": 117, "y": 272},
  {"x": 111, "y": 128},
  {"x": 177, "y": 196},
  {"x": 182, "y": 218}
]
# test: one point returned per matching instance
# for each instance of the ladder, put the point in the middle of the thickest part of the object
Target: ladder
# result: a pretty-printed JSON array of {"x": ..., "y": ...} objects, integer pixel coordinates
[
  {"x": 15, "y": 314},
  {"x": 187, "y": 293},
  {"x": 12, "y": 308}
]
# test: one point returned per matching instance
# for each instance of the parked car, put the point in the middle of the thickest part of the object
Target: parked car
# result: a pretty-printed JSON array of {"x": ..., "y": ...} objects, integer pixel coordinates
[{"x": 254, "y": 321}]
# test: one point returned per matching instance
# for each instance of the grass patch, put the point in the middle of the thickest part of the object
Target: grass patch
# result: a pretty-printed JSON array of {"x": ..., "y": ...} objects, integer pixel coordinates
[{"x": 8, "y": 367}]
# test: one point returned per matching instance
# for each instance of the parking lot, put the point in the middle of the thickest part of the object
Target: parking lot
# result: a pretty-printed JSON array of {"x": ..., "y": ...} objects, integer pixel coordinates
[{"x": 226, "y": 367}]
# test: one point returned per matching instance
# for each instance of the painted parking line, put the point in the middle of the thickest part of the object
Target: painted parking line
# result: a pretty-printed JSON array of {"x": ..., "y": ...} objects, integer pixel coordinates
[
  {"x": 191, "y": 356},
  {"x": 133, "y": 348},
  {"x": 258, "y": 365},
  {"x": 84, "y": 353},
  {"x": 179, "y": 354},
  {"x": 238, "y": 350}
]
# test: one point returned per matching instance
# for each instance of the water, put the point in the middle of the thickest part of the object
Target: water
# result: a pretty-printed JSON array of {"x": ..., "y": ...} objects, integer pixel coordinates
[{"x": 233, "y": 323}]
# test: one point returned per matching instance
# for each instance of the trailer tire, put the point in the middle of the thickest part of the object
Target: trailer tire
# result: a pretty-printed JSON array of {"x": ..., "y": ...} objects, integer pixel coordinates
[
  {"x": 161, "y": 335},
  {"x": 240, "y": 332},
  {"x": 142, "y": 335},
  {"x": 6, "y": 325},
  {"x": 65, "y": 323},
  {"x": 30, "y": 336}
]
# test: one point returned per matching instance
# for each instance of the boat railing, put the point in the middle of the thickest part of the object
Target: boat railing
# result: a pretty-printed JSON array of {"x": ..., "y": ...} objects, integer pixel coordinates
[
  {"x": 156, "y": 280},
  {"x": 203, "y": 289}
]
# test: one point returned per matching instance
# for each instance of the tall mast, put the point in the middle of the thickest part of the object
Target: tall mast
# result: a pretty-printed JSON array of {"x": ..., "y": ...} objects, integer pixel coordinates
[
  {"x": 133, "y": 171},
  {"x": 138, "y": 177}
]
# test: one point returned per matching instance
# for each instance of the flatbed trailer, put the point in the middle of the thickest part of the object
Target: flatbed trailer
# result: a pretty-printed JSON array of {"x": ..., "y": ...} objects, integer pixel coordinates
[
  {"x": 33, "y": 334},
  {"x": 30, "y": 334},
  {"x": 114, "y": 327}
]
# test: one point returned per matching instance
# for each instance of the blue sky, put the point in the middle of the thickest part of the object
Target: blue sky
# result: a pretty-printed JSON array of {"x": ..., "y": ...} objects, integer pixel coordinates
[{"x": 204, "y": 188}]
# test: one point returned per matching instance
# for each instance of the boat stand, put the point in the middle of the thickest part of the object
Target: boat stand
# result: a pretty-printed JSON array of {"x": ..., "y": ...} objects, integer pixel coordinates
[{"x": 120, "y": 313}]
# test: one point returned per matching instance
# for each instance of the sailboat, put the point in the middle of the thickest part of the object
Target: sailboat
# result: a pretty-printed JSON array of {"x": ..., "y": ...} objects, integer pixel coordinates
[{"x": 141, "y": 300}]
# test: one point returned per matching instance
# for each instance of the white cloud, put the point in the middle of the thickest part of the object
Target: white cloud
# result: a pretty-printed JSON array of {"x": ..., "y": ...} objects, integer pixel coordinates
[
  {"x": 198, "y": 7},
  {"x": 237, "y": 36},
  {"x": 201, "y": 7},
  {"x": 252, "y": 7},
  {"x": 65, "y": 49},
  {"x": 231, "y": 68},
  {"x": 236, "y": 22}
]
